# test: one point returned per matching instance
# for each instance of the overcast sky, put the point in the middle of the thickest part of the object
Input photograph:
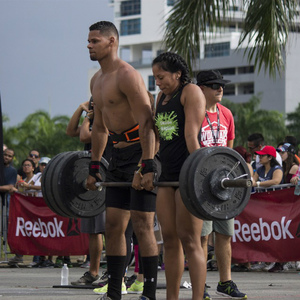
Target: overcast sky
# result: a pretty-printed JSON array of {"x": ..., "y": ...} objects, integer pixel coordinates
[{"x": 44, "y": 60}]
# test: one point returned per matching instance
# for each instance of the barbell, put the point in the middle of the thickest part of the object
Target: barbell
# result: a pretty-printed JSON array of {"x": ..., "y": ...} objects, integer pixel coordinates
[{"x": 214, "y": 184}]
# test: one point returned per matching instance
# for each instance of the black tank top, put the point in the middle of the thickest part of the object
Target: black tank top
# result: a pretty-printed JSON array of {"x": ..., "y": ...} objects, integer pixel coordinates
[{"x": 170, "y": 121}]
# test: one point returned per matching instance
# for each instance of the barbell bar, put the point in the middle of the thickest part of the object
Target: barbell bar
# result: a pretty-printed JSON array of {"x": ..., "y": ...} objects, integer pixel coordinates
[
  {"x": 214, "y": 184},
  {"x": 225, "y": 183}
]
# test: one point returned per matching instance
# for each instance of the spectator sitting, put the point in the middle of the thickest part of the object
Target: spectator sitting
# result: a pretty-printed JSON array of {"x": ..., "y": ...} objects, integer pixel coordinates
[
  {"x": 270, "y": 173},
  {"x": 256, "y": 142},
  {"x": 289, "y": 161},
  {"x": 35, "y": 187},
  {"x": 24, "y": 186},
  {"x": 33, "y": 155}
]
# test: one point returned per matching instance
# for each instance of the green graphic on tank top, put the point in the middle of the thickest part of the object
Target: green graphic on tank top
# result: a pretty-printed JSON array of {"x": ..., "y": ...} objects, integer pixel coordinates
[{"x": 167, "y": 125}]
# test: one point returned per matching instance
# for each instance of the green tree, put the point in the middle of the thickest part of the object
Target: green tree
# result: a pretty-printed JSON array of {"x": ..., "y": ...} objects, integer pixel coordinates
[
  {"x": 249, "y": 118},
  {"x": 41, "y": 132},
  {"x": 293, "y": 120},
  {"x": 266, "y": 26}
]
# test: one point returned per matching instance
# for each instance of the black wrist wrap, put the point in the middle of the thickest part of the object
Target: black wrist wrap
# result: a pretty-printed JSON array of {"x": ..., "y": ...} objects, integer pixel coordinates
[
  {"x": 94, "y": 168},
  {"x": 148, "y": 166}
]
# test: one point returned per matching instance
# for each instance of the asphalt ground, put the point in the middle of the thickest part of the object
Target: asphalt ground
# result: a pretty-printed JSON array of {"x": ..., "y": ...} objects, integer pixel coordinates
[{"x": 38, "y": 283}]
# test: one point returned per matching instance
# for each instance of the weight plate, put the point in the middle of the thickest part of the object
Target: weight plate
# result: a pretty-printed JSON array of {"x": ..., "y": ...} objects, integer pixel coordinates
[
  {"x": 46, "y": 184},
  {"x": 184, "y": 183},
  {"x": 69, "y": 192},
  {"x": 210, "y": 206}
]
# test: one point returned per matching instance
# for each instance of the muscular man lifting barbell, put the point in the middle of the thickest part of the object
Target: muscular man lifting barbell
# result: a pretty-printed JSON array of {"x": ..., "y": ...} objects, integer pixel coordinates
[{"x": 122, "y": 108}]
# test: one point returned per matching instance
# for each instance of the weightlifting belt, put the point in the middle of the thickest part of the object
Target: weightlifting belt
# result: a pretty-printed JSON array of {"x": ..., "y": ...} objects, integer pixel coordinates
[{"x": 128, "y": 136}]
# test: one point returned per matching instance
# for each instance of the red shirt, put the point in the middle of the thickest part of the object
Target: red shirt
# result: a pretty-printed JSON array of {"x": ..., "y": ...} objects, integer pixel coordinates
[{"x": 226, "y": 128}]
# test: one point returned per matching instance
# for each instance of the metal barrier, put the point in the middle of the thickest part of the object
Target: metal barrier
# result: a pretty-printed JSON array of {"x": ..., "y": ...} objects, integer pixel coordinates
[{"x": 274, "y": 187}]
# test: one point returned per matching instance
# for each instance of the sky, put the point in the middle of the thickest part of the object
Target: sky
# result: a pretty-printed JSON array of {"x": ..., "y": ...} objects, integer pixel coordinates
[{"x": 44, "y": 60}]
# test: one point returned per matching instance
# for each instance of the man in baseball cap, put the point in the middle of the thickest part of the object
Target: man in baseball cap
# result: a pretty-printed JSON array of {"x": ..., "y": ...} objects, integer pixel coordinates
[{"x": 210, "y": 77}]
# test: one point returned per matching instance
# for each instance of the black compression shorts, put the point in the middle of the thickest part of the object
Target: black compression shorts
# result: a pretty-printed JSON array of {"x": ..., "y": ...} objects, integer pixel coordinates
[{"x": 121, "y": 168}]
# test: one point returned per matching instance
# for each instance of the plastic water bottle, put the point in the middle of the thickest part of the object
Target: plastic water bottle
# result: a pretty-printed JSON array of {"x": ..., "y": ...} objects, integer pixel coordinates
[
  {"x": 297, "y": 188},
  {"x": 64, "y": 279}
]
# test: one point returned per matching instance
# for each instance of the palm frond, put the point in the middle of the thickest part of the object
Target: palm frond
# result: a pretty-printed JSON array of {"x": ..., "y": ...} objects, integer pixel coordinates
[{"x": 266, "y": 29}]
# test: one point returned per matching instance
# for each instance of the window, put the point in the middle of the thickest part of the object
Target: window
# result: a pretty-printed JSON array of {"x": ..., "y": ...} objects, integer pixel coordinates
[
  {"x": 246, "y": 70},
  {"x": 229, "y": 90},
  {"x": 129, "y": 27},
  {"x": 228, "y": 71},
  {"x": 151, "y": 83},
  {"x": 129, "y": 8},
  {"x": 248, "y": 88},
  {"x": 218, "y": 49}
]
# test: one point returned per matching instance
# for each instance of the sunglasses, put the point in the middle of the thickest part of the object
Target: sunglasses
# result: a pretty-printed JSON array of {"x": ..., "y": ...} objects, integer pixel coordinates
[
  {"x": 215, "y": 86},
  {"x": 34, "y": 155}
]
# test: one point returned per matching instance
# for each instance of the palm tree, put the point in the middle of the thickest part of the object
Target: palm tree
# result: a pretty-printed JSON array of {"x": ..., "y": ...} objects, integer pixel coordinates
[
  {"x": 41, "y": 132},
  {"x": 249, "y": 118},
  {"x": 266, "y": 27}
]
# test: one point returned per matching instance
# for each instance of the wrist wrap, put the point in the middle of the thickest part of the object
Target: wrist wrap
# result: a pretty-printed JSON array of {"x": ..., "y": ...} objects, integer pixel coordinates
[
  {"x": 94, "y": 168},
  {"x": 148, "y": 166}
]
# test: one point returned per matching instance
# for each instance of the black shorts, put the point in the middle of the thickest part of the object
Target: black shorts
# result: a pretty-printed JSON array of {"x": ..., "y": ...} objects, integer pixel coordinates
[{"x": 122, "y": 166}]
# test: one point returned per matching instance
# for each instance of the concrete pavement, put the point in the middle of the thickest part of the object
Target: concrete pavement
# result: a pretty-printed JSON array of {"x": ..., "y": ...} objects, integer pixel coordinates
[{"x": 37, "y": 283}]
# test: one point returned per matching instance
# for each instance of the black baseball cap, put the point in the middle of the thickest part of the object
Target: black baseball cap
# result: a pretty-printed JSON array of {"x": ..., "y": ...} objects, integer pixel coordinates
[{"x": 210, "y": 76}]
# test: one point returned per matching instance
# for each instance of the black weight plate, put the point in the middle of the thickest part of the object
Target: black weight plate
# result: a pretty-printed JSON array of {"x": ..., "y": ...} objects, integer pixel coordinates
[
  {"x": 58, "y": 199},
  {"x": 210, "y": 206},
  {"x": 195, "y": 158},
  {"x": 184, "y": 183},
  {"x": 56, "y": 202},
  {"x": 68, "y": 179},
  {"x": 46, "y": 184}
]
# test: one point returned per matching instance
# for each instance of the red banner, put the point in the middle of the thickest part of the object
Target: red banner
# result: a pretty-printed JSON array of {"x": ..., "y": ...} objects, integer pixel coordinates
[
  {"x": 34, "y": 229},
  {"x": 269, "y": 228}
]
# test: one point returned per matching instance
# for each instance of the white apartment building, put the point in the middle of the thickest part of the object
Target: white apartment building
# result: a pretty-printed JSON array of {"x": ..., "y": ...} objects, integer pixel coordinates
[{"x": 141, "y": 25}]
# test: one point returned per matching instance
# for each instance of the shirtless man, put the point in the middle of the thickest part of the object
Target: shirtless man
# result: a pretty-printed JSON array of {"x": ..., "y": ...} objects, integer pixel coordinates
[{"x": 122, "y": 109}]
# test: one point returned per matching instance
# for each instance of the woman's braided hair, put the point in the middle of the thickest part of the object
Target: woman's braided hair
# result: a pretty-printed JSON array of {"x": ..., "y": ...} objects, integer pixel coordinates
[{"x": 172, "y": 62}]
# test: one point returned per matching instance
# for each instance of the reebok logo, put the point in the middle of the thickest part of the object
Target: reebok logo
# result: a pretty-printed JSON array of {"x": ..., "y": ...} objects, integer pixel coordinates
[
  {"x": 39, "y": 228},
  {"x": 262, "y": 231}
]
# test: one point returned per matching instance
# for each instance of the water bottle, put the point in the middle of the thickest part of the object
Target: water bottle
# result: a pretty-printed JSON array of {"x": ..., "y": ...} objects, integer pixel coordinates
[
  {"x": 297, "y": 188},
  {"x": 64, "y": 279}
]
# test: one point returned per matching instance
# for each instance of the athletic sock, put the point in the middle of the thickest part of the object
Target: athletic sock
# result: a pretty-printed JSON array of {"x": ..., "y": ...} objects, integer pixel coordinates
[
  {"x": 115, "y": 270},
  {"x": 150, "y": 276}
]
